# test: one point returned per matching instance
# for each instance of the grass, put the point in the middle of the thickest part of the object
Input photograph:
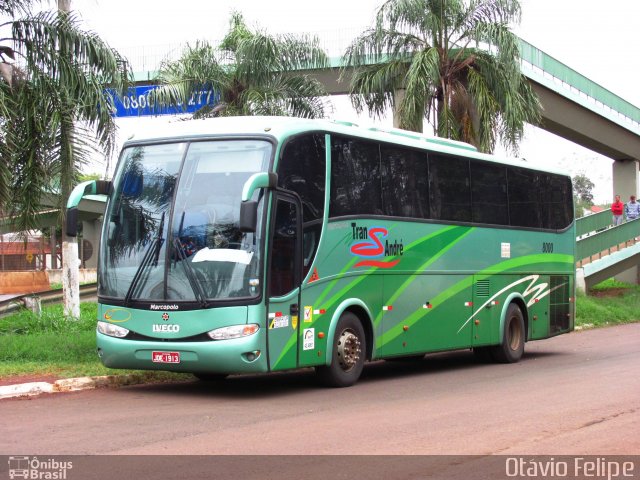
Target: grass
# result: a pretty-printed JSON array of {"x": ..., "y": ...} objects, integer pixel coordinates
[
  {"x": 610, "y": 303},
  {"x": 611, "y": 284},
  {"x": 51, "y": 344},
  {"x": 58, "y": 285}
]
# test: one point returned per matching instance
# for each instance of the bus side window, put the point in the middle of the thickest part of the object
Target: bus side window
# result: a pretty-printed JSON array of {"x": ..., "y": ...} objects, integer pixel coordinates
[
  {"x": 449, "y": 188},
  {"x": 302, "y": 170},
  {"x": 283, "y": 250}
]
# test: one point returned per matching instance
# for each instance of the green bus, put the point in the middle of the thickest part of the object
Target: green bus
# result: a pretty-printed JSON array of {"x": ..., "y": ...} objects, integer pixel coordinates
[{"x": 244, "y": 245}]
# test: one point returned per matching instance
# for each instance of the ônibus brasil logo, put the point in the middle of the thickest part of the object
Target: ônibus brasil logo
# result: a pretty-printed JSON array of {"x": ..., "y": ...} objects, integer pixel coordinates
[{"x": 372, "y": 248}]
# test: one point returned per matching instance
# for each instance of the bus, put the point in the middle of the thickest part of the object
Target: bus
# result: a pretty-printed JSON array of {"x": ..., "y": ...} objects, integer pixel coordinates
[{"x": 261, "y": 244}]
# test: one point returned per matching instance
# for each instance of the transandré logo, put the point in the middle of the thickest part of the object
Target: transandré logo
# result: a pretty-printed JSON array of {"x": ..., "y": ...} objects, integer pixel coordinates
[{"x": 372, "y": 248}]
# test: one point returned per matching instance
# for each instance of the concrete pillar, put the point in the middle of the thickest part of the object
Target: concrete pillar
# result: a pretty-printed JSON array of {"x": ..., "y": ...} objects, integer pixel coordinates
[
  {"x": 626, "y": 182},
  {"x": 625, "y": 179},
  {"x": 398, "y": 96},
  {"x": 580, "y": 281}
]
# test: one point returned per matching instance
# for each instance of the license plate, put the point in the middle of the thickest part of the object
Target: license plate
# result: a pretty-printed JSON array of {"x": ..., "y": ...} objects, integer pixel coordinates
[{"x": 165, "y": 357}]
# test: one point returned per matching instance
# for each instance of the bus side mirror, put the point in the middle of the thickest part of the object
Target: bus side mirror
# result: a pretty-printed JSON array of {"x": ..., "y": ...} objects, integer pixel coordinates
[
  {"x": 258, "y": 180},
  {"x": 248, "y": 216},
  {"x": 248, "y": 207},
  {"x": 92, "y": 187}
]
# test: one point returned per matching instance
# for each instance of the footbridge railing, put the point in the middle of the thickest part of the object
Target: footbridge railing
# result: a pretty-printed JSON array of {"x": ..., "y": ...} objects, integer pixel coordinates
[
  {"x": 597, "y": 237},
  {"x": 602, "y": 250}
]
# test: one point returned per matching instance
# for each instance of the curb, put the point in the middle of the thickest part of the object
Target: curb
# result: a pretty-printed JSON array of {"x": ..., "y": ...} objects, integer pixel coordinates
[{"x": 67, "y": 385}]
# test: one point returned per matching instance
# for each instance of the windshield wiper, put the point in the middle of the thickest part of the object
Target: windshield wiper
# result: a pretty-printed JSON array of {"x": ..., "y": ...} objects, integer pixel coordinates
[
  {"x": 152, "y": 254},
  {"x": 191, "y": 276}
]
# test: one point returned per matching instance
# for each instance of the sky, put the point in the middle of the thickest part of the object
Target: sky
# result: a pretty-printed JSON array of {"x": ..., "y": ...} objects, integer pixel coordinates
[{"x": 598, "y": 39}]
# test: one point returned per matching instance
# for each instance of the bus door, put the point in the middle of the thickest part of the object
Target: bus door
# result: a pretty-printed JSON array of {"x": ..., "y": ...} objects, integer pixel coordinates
[{"x": 285, "y": 272}]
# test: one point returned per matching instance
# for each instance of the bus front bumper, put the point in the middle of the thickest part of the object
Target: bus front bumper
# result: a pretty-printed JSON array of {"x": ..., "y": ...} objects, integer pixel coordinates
[{"x": 239, "y": 355}]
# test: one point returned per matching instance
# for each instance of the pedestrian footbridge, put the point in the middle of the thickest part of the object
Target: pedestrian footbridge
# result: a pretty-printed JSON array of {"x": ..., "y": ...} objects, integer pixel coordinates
[
  {"x": 573, "y": 106},
  {"x": 604, "y": 251}
]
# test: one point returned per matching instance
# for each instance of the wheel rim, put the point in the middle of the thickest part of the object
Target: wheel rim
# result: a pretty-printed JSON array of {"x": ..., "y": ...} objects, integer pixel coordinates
[
  {"x": 515, "y": 334},
  {"x": 348, "y": 350}
]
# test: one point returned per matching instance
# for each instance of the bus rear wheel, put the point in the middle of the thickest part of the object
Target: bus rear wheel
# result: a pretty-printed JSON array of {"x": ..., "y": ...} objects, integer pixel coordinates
[
  {"x": 511, "y": 348},
  {"x": 348, "y": 354}
]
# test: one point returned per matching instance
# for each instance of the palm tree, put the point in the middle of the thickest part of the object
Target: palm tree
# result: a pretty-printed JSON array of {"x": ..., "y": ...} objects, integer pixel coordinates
[
  {"x": 53, "y": 106},
  {"x": 54, "y": 112},
  {"x": 454, "y": 62},
  {"x": 251, "y": 73}
]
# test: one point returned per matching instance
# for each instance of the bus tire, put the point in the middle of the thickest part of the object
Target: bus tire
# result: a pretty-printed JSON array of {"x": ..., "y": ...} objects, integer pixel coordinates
[
  {"x": 348, "y": 354},
  {"x": 511, "y": 348}
]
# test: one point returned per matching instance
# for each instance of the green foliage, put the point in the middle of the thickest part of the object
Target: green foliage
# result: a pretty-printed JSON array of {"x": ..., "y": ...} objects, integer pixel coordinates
[
  {"x": 89, "y": 176},
  {"x": 252, "y": 72},
  {"x": 579, "y": 207},
  {"x": 583, "y": 189},
  {"x": 429, "y": 50},
  {"x": 610, "y": 284},
  {"x": 48, "y": 343},
  {"x": 54, "y": 112},
  {"x": 52, "y": 320},
  {"x": 51, "y": 344},
  {"x": 582, "y": 194},
  {"x": 610, "y": 303},
  {"x": 50, "y": 347}
]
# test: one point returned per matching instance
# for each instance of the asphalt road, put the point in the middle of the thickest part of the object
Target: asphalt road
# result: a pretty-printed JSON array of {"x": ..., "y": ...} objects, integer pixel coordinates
[{"x": 574, "y": 394}]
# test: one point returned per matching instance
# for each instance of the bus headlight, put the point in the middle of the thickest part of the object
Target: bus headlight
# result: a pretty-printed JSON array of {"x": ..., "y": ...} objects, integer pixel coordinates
[
  {"x": 112, "y": 330},
  {"x": 234, "y": 331}
]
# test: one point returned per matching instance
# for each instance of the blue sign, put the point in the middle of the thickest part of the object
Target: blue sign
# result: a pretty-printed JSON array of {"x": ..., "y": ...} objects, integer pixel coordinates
[{"x": 136, "y": 103}]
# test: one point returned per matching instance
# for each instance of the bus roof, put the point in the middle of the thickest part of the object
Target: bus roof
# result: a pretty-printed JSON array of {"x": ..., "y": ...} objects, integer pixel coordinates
[{"x": 281, "y": 128}]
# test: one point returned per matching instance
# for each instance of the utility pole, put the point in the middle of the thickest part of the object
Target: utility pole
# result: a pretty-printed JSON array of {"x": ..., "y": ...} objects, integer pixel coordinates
[{"x": 70, "y": 260}]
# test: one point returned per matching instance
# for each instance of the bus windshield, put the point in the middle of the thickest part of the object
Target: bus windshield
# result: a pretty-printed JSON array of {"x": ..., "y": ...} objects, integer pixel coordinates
[{"x": 171, "y": 230}]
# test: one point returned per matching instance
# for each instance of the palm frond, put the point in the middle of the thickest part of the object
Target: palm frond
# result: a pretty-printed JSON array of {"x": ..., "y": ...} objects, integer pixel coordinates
[
  {"x": 373, "y": 86},
  {"x": 251, "y": 72},
  {"x": 55, "y": 112},
  {"x": 462, "y": 69}
]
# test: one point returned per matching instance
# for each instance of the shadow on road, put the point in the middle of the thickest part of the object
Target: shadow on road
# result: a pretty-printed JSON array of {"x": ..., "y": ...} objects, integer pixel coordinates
[{"x": 294, "y": 382}]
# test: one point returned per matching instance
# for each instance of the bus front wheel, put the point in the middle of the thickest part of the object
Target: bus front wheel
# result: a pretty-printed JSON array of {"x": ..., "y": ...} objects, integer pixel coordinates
[
  {"x": 511, "y": 348},
  {"x": 348, "y": 355}
]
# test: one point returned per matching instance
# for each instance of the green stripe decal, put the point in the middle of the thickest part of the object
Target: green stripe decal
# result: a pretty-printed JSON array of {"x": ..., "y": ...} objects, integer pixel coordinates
[
  {"x": 461, "y": 234},
  {"x": 502, "y": 267},
  {"x": 456, "y": 233}
]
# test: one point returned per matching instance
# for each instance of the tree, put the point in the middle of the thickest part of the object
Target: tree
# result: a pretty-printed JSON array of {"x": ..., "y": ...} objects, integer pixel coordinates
[
  {"x": 454, "y": 62},
  {"x": 251, "y": 73},
  {"x": 583, "y": 188},
  {"x": 54, "y": 112},
  {"x": 582, "y": 194}
]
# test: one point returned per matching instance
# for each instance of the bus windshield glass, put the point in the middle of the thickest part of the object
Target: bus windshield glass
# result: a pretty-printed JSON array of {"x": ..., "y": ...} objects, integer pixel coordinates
[{"x": 172, "y": 231}]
